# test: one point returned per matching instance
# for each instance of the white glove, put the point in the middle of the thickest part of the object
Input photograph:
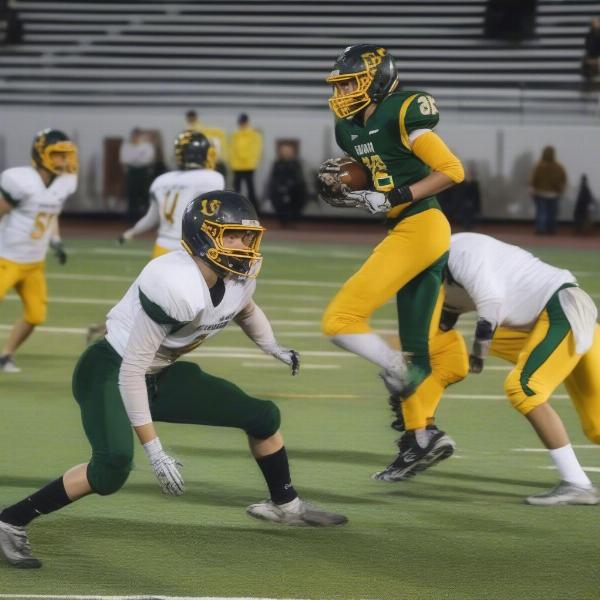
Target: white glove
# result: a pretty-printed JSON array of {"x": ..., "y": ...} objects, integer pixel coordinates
[
  {"x": 374, "y": 202},
  {"x": 166, "y": 468},
  {"x": 125, "y": 236},
  {"x": 288, "y": 356}
]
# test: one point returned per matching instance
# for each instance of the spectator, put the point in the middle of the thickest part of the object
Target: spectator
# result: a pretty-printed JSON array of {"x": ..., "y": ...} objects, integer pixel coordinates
[
  {"x": 582, "y": 215},
  {"x": 591, "y": 59},
  {"x": 287, "y": 186},
  {"x": 137, "y": 156},
  {"x": 547, "y": 183},
  {"x": 216, "y": 136},
  {"x": 245, "y": 152}
]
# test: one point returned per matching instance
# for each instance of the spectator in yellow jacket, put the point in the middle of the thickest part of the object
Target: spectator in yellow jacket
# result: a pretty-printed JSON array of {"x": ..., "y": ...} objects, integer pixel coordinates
[
  {"x": 246, "y": 150},
  {"x": 216, "y": 136}
]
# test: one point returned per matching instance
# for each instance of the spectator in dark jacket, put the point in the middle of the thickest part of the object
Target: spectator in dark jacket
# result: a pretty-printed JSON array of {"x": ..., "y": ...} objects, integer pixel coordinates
[
  {"x": 548, "y": 181},
  {"x": 583, "y": 207},
  {"x": 287, "y": 186},
  {"x": 591, "y": 59}
]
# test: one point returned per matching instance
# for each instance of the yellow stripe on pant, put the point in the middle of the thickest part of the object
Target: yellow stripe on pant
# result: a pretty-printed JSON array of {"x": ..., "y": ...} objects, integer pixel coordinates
[{"x": 29, "y": 281}]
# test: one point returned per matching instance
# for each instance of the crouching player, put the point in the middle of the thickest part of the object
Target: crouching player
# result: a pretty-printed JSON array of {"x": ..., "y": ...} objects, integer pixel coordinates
[
  {"x": 131, "y": 378},
  {"x": 535, "y": 316}
]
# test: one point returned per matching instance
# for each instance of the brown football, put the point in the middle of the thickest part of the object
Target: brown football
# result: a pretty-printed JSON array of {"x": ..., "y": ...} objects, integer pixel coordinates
[{"x": 355, "y": 175}]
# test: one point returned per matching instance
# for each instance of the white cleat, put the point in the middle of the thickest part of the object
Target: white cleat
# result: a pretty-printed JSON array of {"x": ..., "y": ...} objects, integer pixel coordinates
[
  {"x": 297, "y": 512},
  {"x": 7, "y": 365},
  {"x": 564, "y": 494},
  {"x": 14, "y": 546}
]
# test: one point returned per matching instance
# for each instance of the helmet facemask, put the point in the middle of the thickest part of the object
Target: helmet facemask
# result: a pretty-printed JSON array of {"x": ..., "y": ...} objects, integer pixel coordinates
[
  {"x": 346, "y": 105},
  {"x": 244, "y": 262},
  {"x": 45, "y": 159}
]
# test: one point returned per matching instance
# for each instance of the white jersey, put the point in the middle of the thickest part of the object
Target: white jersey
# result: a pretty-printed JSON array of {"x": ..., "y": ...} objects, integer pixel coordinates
[
  {"x": 172, "y": 192},
  {"x": 505, "y": 284},
  {"x": 172, "y": 291},
  {"x": 25, "y": 231}
]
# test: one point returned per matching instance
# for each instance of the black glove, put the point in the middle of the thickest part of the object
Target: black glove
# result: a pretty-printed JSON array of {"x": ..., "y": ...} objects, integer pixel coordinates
[
  {"x": 448, "y": 320},
  {"x": 475, "y": 364},
  {"x": 59, "y": 252}
]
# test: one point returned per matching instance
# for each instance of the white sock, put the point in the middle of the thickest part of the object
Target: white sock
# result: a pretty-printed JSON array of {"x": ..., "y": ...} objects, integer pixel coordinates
[
  {"x": 371, "y": 347},
  {"x": 568, "y": 466},
  {"x": 291, "y": 506},
  {"x": 422, "y": 436}
]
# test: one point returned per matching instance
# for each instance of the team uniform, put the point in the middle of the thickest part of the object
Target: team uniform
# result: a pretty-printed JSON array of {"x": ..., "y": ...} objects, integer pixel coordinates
[
  {"x": 170, "y": 193},
  {"x": 167, "y": 312},
  {"x": 25, "y": 234},
  {"x": 541, "y": 320},
  {"x": 410, "y": 261}
]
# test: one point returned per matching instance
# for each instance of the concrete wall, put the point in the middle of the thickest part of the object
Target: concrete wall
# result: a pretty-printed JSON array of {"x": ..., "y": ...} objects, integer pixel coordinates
[{"x": 502, "y": 155}]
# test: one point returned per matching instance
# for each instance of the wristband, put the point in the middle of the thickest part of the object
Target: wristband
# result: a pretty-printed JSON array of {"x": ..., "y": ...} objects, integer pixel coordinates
[
  {"x": 153, "y": 448},
  {"x": 400, "y": 195}
]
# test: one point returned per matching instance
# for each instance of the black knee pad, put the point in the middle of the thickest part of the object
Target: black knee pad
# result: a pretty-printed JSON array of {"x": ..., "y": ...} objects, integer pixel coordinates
[
  {"x": 107, "y": 475},
  {"x": 267, "y": 421}
]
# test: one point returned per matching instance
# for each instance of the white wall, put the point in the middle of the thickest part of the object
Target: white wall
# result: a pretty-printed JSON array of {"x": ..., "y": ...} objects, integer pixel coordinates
[{"x": 502, "y": 154}]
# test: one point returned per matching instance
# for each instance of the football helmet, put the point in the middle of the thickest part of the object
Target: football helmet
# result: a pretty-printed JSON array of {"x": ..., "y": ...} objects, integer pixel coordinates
[
  {"x": 374, "y": 73},
  {"x": 194, "y": 151},
  {"x": 209, "y": 219},
  {"x": 48, "y": 142}
]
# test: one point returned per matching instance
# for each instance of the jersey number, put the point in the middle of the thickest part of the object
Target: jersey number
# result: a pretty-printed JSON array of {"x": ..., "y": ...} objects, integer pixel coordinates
[
  {"x": 427, "y": 105},
  {"x": 41, "y": 223},
  {"x": 382, "y": 180},
  {"x": 171, "y": 199}
]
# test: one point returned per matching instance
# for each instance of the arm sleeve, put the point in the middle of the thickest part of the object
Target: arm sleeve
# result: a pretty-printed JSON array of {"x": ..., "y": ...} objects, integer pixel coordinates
[
  {"x": 256, "y": 326},
  {"x": 431, "y": 149},
  {"x": 149, "y": 221},
  {"x": 144, "y": 341}
]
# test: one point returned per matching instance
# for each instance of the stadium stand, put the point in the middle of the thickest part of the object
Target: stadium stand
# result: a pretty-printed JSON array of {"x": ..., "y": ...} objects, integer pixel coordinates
[{"x": 207, "y": 54}]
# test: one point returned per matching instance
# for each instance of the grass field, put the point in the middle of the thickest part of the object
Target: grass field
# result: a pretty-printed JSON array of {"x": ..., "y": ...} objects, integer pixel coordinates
[{"x": 459, "y": 531}]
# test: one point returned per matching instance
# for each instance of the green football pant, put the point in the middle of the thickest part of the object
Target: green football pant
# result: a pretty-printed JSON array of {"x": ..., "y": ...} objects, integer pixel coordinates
[{"x": 181, "y": 393}]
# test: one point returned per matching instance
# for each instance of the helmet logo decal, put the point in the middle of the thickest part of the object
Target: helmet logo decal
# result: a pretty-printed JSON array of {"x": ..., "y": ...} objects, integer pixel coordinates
[
  {"x": 372, "y": 59},
  {"x": 209, "y": 207}
]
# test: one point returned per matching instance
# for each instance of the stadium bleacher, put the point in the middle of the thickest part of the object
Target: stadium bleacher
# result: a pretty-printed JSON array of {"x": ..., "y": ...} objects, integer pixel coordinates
[{"x": 207, "y": 54}]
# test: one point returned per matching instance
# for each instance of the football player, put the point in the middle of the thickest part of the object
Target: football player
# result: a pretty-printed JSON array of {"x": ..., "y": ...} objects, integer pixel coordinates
[
  {"x": 31, "y": 198},
  {"x": 535, "y": 316},
  {"x": 391, "y": 133},
  {"x": 132, "y": 378},
  {"x": 171, "y": 192}
]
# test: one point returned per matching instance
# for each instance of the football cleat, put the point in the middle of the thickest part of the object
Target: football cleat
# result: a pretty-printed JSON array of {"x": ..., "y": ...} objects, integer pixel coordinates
[
  {"x": 297, "y": 512},
  {"x": 413, "y": 459},
  {"x": 564, "y": 494},
  {"x": 7, "y": 365},
  {"x": 14, "y": 546}
]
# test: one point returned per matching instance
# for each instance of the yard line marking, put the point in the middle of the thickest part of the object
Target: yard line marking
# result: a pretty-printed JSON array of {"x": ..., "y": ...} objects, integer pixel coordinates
[
  {"x": 575, "y": 446},
  {"x": 118, "y": 251},
  {"x": 71, "y": 300},
  {"x": 494, "y": 396},
  {"x": 46, "y": 329},
  {"x": 151, "y": 597},
  {"x": 277, "y": 365},
  {"x": 588, "y": 469},
  {"x": 83, "y": 277}
]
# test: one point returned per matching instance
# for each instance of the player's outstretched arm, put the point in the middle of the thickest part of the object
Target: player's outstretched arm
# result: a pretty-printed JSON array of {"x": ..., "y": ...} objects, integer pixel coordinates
[
  {"x": 145, "y": 339},
  {"x": 149, "y": 221},
  {"x": 256, "y": 326},
  {"x": 56, "y": 243}
]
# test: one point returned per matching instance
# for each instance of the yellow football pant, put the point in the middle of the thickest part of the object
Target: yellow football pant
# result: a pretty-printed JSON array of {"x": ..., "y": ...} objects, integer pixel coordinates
[
  {"x": 408, "y": 263},
  {"x": 580, "y": 374},
  {"x": 29, "y": 281},
  {"x": 159, "y": 251}
]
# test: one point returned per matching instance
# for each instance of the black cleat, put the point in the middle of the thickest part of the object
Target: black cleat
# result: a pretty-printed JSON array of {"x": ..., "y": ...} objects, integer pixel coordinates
[
  {"x": 413, "y": 459},
  {"x": 395, "y": 403}
]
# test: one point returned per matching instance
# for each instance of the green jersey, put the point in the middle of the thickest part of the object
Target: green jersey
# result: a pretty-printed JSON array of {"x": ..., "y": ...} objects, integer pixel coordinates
[{"x": 383, "y": 144}]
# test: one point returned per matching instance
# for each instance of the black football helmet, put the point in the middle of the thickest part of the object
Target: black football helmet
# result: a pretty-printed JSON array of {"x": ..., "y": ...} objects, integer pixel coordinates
[
  {"x": 374, "y": 72},
  {"x": 45, "y": 144},
  {"x": 209, "y": 218},
  {"x": 194, "y": 151}
]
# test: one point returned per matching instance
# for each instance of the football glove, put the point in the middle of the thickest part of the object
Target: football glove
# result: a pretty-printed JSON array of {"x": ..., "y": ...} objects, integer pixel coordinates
[
  {"x": 125, "y": 236},
  {"x": 484, "y": 332},
  {"x": 289, "y": 357},
  {"x": 331, "y": 189},
  {"x": 475, "y": 364},
  {"x": 166, "y": 468},
  {"x": 374, "y": 202},
  {"x": 59, "y": 251}
]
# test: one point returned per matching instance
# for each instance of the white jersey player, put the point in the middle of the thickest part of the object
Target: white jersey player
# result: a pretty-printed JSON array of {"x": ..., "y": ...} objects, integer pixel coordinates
[
  {"x": 132, "y": 378},
  {"x": 535, "y": 316},
  {"x": 31, "y": 198},
  {"x": 171, "y": 192}
]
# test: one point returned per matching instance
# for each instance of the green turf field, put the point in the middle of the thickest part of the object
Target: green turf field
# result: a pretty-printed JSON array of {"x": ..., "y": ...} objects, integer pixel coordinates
[{"x": 458, "y": 531}]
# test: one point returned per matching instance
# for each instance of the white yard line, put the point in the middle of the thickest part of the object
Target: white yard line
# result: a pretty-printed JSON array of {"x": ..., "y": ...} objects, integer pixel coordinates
[
  {"x": 277, "y": 365},
  {"x": 588, "y": 469},
  {"x": 150, "y": 597}
]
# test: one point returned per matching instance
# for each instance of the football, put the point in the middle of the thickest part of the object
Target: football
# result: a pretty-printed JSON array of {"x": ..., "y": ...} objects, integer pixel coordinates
[{"x": 355, "y": 175}]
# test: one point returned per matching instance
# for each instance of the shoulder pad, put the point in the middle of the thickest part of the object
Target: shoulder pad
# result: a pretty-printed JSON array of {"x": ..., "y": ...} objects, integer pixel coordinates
[
  {"x": 17, "y": 183},
  {"x": 171, "y": 289}
]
